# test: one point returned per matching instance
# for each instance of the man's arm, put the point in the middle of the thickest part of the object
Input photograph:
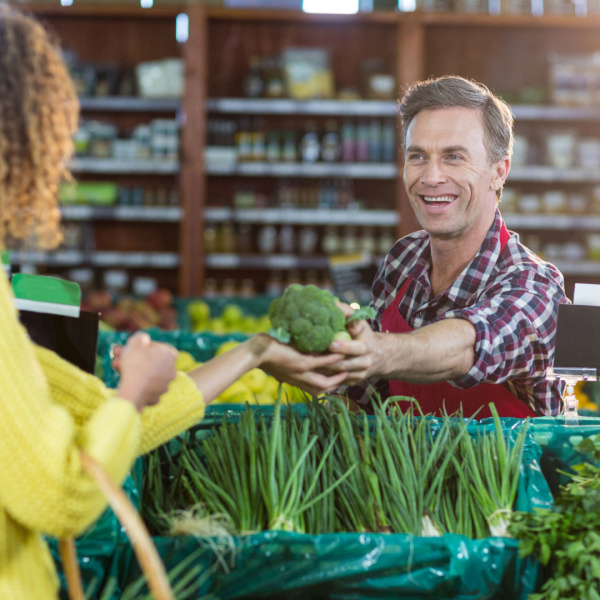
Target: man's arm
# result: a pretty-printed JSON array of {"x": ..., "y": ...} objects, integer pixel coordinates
[
  {"x": 508, "y": 334},
  {"x": 436, "y": 352}
]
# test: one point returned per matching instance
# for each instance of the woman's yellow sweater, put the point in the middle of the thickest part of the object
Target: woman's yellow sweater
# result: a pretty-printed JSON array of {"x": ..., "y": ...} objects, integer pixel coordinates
[{"x": 49, "y": 410}]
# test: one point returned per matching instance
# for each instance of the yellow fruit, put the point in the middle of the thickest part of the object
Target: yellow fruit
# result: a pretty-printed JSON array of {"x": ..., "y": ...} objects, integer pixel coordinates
[
  {"x": 255, "y": 379},
  {"x": 185, "y": 361},
  {"x": 236, "y": 393},
  {"x": 216, "y": 326},
  {"x": 291, "y": 394},
  {"x": 199, "y": 312},
  {"x": 263, "y": 398},
  {"x": 226, "y": 347},
  {"x": 271, "y": 387}
]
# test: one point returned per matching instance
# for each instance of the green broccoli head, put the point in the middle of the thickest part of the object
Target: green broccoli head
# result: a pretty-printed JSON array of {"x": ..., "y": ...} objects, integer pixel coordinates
[{"x": 307, "y": 318}]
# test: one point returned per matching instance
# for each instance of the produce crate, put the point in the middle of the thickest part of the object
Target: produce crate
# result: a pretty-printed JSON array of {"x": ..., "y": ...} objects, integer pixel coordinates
[
  {"x": 275, "y": 564},
  {"x": 255, "y": 306},
  {"x": 558, "y": 442},
  {"x": 202, "y": 346}
]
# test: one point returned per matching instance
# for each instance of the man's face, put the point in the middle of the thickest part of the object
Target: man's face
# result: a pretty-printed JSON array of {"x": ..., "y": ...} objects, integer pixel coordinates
[{"x": 447, "y": 175}]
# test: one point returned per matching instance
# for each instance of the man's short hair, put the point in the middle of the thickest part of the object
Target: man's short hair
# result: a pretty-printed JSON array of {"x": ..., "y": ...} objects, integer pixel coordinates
[{"x": 454, "y": 91}]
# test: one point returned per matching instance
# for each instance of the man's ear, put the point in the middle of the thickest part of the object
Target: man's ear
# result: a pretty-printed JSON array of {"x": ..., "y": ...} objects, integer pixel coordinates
[{"x": 500, "y": 172}]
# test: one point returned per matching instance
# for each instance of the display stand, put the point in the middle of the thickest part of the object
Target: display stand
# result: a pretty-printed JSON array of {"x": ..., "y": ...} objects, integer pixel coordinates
[{"x": 577, "y": 356}]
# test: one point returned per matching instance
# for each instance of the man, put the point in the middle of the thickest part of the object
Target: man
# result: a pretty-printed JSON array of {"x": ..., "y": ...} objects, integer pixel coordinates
[{"x": 466, "y": 315}]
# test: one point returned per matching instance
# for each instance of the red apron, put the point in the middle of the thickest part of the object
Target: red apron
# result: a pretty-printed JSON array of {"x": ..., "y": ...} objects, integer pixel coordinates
[{"x": 433, "y": 397}]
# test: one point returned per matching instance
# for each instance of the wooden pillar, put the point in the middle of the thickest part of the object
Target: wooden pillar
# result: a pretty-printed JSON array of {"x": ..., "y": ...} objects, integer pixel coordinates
[
  {"x": 193, "y": 181},
  {"x": 410, "y": 67}
]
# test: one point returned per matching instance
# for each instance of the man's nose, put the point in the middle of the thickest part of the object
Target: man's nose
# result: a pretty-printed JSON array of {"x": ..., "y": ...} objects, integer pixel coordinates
[{"x": 433, "y": 173}]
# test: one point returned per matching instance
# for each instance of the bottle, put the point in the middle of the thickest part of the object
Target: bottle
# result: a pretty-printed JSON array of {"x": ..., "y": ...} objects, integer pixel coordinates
[
  {"x": 210, "y": 239},
  {"x": 307, "y": 240},
  {"x": 310, "y": 147},
  {"x": 362, "y": 142},
  {"x": 210, "y": 287},
  {"x": 253, "y": 84},
  {"x": 287, "y": 239},
  {"x": 331, "y": 240},
  {"x": 388, "y": 150},
  {"x": 368, "y": 243},
  {"x": 386, "y": 240},
  {"x": 267, "y": 239},
  {"x": 274, "y": 81},
  {"x": 226, "y": 239},
  {"x": 273, "y": 150},
  {"x": 289, "y": 152},
  {"x": 247, "y": 289},
  {"x": 275, "y": 284},
  {"x": 259, "y": 149},
  {"x": 348, "y": 142},
  {"x": 331, "y": 144},
  {"x": 350, "y": 245},
  {"x": 243, "y": 141},
  {"x": 375, "y": 141}
]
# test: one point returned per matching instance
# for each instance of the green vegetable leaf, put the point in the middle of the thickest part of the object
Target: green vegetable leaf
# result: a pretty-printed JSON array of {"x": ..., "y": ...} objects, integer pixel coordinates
[
  {"x": 280, "y": 334},
  {"x": 362, "y": 314}
]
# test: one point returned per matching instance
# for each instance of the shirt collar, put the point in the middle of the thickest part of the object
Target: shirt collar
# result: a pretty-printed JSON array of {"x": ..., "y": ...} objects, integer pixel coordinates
[{"x": 475, "y": 275}]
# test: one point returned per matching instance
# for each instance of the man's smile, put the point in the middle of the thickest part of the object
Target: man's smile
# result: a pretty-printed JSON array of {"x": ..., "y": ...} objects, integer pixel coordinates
[{"x": 438, "y": 201}]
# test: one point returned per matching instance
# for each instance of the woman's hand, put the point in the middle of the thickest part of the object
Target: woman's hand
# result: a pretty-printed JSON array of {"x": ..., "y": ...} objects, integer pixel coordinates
[
  {"x": 146, "y": 369},
  {"x": 308, "y": 372}
]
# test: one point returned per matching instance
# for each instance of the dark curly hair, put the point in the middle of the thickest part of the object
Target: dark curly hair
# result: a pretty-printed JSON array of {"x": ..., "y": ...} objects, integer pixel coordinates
[{"x": 39, "y": 112}]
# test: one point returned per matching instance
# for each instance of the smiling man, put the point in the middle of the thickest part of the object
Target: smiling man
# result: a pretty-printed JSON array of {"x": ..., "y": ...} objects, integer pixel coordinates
[{"x": 466, "y": 315}]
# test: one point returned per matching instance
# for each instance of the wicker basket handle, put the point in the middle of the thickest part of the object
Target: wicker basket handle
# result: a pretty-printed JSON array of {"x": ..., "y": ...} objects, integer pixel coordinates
[{"x": 142, "y": 543}]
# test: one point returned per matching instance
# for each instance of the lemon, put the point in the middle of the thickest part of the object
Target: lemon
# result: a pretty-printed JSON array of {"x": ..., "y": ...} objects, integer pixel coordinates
[
  {"x": 262, "y": 398},
  {"x": 216, "y": 326},
  {"x": 271, "y": 387},
  {"x": 255, "y": 379},
  {"x": 236, "y": 393},
  {"x": 290, "y": 393},
  {"x": 185, "y": 361},
  {"x": 225, "y": 347}
]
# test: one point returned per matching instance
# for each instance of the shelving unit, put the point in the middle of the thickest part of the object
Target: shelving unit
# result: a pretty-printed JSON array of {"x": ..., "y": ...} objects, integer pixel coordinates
[
  {"x": 150, "y": 241},
  {"x": 507, "y": 53}
]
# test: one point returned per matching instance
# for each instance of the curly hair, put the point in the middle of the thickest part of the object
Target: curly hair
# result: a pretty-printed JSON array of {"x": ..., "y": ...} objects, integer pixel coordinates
[{"x": 39, "y": 112}]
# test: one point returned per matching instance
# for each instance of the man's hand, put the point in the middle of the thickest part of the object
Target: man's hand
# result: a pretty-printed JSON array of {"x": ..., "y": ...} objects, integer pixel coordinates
[
  {"x": 360, "y": 354},
  {"x": 146, "y": 369}
]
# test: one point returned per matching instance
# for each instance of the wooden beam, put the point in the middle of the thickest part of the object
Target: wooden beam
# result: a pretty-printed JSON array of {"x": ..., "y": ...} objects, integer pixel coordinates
[{"x": 193, "y": 183}]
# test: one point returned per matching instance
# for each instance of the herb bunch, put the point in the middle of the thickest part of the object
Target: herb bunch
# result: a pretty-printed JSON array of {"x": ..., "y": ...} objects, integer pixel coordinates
[{"x": 566, "y": 538}]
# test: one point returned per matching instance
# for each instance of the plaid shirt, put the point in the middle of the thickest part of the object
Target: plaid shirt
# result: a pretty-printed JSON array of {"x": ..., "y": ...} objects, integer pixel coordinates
[{"x": 510, "y": 297}]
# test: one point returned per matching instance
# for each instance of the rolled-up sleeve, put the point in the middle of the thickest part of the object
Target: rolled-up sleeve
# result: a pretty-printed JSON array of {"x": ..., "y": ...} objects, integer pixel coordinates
[{"x": 515, "y": 325}]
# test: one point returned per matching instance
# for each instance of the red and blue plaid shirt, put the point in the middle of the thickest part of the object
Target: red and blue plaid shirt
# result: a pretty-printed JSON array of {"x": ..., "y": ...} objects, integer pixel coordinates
[{"x": 510, "y": 297}]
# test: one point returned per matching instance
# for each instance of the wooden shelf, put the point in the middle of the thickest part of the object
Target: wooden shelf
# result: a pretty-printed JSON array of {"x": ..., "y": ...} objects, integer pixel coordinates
[
  {"x": 525, "y": 112},
  {"x": 121, "y": 213},
  {"x": 521, "y": 222},
  {"x": 349, "y": 170},
  {"x": 508, "y": 21},
  {"x": 286, "y": 106},
  {"x": 377, "y": 17},
  {"x": 129, "y": 104},
  {"x": 259, "y": 261},
  {"x": 116, "y": 166},
  {"x": 304, "y": 216},
  {"x": 109, "y": 10},
  {"x": 69, "y": 258},
  {"x": 544, "y": 174}
]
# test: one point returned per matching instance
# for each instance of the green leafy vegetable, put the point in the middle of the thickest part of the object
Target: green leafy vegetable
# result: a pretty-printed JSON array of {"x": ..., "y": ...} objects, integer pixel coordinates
[{"x": 308, "y": 318}]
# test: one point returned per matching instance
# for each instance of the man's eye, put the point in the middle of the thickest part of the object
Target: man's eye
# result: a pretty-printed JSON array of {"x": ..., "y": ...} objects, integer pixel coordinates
[
  {"x": 454, "y": 157},
  {"x": 415, "y": 156}
]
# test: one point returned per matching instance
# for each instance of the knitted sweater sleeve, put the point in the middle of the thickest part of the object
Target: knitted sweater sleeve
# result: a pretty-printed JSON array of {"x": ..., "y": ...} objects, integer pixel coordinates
[
  {"x": 181, "y": 407},
  {"x": 42, "y": 483}
]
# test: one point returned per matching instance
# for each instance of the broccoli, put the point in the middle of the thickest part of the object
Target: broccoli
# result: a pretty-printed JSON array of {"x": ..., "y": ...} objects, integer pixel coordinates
[{"x": 307, "y": 318}]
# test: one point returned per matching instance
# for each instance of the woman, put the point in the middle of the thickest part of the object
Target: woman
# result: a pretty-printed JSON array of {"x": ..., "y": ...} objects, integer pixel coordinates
[{"x": 50, "y": 410}]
